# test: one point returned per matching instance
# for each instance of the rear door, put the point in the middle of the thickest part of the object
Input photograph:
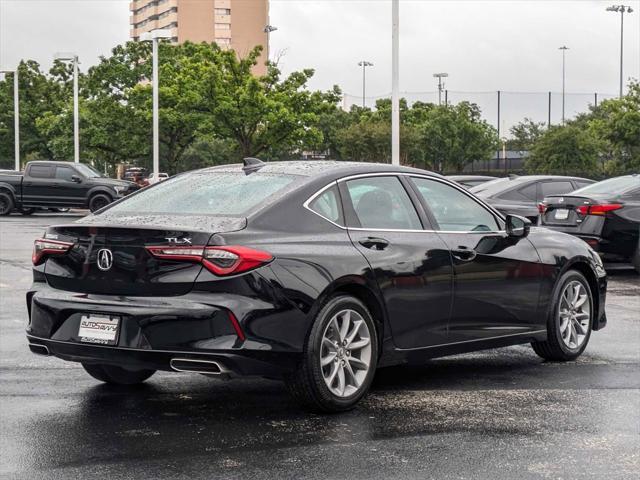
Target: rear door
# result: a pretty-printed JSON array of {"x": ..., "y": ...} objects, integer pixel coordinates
[
  {"x": 38, "y": 185},
  {"x": 497, "y": 278},
  {"x": 411, "y": 265}
]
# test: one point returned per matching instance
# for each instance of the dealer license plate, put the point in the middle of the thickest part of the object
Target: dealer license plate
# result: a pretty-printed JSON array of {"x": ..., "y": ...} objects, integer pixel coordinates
[
  {"x": 99, "y": 329},
  {"x": 562, "y": 214}
]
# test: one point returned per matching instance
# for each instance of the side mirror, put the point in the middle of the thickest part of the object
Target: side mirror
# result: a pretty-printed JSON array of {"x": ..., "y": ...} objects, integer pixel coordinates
[
  {"x": 517, "y": 226},
  {"x": 76, "y": 179}
]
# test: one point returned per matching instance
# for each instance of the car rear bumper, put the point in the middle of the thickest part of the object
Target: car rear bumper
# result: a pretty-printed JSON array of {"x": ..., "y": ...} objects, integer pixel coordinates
[{"x": 155, "y": 332}]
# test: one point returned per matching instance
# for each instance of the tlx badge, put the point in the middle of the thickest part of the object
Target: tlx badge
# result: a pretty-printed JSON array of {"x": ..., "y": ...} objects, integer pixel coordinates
[{"x": 179, "y": 241}]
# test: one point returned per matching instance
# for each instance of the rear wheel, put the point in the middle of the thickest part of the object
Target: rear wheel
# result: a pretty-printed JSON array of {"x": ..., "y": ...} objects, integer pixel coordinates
[
  {"x": 99, "y": 201},
  {"x": 635, "y": 260},
  {"x": 570, "y": 321},
  {"x": 6, "y": 203},
  {"x": 339, "y": 359},
  {"x": 117, "y": 375},
  {"x": 27, "y": 211}
]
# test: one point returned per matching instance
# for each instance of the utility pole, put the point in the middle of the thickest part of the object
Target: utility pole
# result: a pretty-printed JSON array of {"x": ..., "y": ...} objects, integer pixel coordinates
[
  {"x": 395, "y": 82},
  {"x": 622, "y": 9},
  {"x": 73, "y": 58},
  {"x": 440, "y": 76},
  {"x": 364, "y": 64},
  {"x": 564, "y": 49}
]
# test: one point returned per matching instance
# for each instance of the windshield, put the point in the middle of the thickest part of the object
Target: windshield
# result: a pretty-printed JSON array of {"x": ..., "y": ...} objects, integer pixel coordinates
[
  {"x": 611, "y": 185},
  {"x": 215, "y": 193},
  {"x": 87, "y": 170}
]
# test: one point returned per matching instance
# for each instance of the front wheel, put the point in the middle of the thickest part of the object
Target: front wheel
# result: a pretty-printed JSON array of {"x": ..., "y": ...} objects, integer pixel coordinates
[
  {"x": 99, "y": 201},
  {"x": 339, "y": 359},
  {"x": 117, "y": 375},
  {"x": 6, "y": 203},
  {"x": 570, "y": 321}
]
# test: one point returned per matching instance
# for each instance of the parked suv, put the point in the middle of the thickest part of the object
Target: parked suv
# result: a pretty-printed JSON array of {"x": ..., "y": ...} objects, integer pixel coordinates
[{"x": 47, "y": 184}]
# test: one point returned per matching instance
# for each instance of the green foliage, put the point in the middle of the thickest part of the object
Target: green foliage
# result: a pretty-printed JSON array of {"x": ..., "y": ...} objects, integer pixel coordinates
[
  {"x": 525, "y": 134},
  {"x": 565, "y": 150}
]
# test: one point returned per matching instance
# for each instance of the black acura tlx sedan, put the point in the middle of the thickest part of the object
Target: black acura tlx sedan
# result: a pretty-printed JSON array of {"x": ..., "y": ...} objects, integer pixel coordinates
[{"x": 317, "y": 273}]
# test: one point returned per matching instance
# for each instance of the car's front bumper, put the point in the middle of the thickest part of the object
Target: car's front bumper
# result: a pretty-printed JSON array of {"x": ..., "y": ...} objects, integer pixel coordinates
[{"x": 154, "y": 331}]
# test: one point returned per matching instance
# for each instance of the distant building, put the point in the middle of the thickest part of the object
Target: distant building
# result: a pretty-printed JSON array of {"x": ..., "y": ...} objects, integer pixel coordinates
[{"x": 236, "y": 24}]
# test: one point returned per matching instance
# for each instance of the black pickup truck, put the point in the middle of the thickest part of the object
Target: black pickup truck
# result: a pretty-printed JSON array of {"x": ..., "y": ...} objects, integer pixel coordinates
[{"x": 47, "y": 184}]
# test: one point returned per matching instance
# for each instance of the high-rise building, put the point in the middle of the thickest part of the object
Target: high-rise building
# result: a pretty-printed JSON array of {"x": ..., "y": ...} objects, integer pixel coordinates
[{"x": 236, "y": 24}]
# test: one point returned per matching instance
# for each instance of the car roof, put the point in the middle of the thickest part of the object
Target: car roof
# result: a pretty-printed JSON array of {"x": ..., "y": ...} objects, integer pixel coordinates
[
  {"x": 320, "y": 168},
  {"x": 501, "y": 184}
]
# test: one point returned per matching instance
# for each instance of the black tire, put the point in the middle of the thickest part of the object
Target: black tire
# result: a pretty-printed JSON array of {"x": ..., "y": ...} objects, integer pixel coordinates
[
  {"x": 306, "y": 383},
  {"x": 27, "y": 211},
  {"x": 117, "y": 375},
  {"x": 6, "y": 203},
  {"x": 98, "y": 201},
  {"x": 635, "y": 260},
  {"x": 554, "y": 347}
]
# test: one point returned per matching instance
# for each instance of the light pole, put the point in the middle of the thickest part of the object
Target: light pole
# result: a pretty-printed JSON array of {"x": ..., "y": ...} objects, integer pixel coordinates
[
  {"x": 395, "y": 82},
  {"x": 16, "y": 116},
  {"x": 440, "y": 76},
  {"x": 268, "y": 29},
  {"x": 622, "y": 9},
  {"x": 72, "y": 57},
  {"x": 154, "y": 36},
  {"x": 364, "y": 64},
  {"x": 564, "y": 49}
]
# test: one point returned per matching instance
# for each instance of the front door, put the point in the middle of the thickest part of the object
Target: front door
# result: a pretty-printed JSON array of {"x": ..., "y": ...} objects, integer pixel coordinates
[
  {"x": 412, "y": 266},
  {"x": 69, "y": 193},
  {"x": 497, "y": 277}
]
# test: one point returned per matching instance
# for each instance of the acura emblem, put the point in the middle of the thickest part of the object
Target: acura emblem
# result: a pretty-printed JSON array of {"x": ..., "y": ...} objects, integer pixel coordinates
[{"x": 105, "y": 259}]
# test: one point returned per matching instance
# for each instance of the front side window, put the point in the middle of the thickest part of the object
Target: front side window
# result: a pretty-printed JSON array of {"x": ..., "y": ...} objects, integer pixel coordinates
[
  {"x": 454, "y": 210},
  {"x": 382, "y": 203},
  {"x": 64, "y": 173},
  {"x": 327, "y": 205},
  {"x": 216, "y": 193}
]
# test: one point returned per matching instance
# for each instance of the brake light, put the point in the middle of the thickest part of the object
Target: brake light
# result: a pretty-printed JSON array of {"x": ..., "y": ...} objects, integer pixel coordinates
[
  {"x": 43, "y": 247},
  {"x": 542, "y": 207},
  {"x": 220, "y": 260},
  {"x": 598, "y": 209}
]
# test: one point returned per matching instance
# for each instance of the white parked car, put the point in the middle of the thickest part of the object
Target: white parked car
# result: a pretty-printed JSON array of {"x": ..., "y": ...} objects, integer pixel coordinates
[{"x": 153, "y": 179}]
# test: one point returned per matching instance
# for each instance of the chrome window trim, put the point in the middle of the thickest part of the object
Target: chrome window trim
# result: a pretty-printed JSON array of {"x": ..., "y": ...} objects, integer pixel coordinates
[{"x": 407, "y": 174}]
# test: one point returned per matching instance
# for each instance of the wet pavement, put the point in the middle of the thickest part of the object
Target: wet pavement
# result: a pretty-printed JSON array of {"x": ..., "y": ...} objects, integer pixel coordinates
[{"x": 499, "y": 414}]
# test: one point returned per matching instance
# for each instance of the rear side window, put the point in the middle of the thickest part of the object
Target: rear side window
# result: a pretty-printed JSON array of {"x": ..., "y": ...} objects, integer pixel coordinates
[
  {"x": 327, "y": 205},
  {"x": 215, "y": 193},
  {"x": 555, "y": 188},
  {"x": 383, "y": 203},
  {"x": 41, "y": 171}
]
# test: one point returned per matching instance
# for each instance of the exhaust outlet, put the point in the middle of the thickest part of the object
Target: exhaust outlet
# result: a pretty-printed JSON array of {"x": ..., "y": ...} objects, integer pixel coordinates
[
  {"x": 208, "y": 367},
  {"x": 39, "y": 349}
]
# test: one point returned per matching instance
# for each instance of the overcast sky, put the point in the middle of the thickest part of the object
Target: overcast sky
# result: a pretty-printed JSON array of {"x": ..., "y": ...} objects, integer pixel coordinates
[{"x": 484, "y": 45}]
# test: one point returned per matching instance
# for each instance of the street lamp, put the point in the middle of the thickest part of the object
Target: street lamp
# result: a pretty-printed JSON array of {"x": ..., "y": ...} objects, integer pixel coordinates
[
  {"x": 72, "y": 57},
  {"x": 16, "y": 116},
  {"x": 440, "y": 76},
  {"x": 564, "y": 49},
  {"x": 622, "y": 9},
  {"x": 269, "y": 29},
  {"x": 364, "y": 64},
  {"x": 154, "y": 36}
]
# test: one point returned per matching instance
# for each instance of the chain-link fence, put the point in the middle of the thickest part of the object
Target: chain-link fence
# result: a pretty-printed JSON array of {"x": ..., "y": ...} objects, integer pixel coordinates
[{"x": 502, "y": 109}]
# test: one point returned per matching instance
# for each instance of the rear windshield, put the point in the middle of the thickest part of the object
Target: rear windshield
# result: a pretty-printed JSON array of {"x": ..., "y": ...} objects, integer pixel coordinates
[
  {"x": 222, "y": 193},
  {"x": 611, "y": 185},
  {"x": 492, "y": 187}
]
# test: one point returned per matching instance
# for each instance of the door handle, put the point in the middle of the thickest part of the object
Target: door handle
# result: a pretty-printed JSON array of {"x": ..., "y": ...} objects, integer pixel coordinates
[
  {"x": 374, "y": 243},
  {"x": 464, "y": 254}
]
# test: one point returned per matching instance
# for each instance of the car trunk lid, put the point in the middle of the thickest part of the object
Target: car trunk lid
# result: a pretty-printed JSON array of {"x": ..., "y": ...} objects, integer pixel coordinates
[{"x": 112, "y": 257}]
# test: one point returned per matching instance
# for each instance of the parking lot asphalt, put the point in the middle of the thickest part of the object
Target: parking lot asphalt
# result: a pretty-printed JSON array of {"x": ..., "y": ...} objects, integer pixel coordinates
[{"x": 499, "y": 414}]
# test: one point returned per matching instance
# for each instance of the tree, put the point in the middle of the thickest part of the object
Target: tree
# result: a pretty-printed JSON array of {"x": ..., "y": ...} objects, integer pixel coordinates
[
  {"x": 262, "y": 114},
  {"x": 565, "y": 150},
  {"x": 452, "y": 136},
  {"x": 525, "y": 134}
]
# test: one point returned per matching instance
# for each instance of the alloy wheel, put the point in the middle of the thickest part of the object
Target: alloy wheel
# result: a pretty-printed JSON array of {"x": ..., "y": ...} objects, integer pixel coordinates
[
  {"x": 574, "y": 314},
  {"x": 345, "y": 354}
]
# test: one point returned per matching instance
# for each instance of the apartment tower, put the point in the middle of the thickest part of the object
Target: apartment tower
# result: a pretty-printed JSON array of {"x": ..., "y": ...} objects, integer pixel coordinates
[{"x": 236, "y": 24}]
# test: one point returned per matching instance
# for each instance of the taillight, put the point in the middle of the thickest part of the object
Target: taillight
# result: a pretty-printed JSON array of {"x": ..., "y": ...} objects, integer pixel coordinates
[
  {"x": 542, "y": 207},
  {"x": 598, "y": 209},
  {"x": 223, "y": 260},
  {"x": 43, "y": 247}
]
